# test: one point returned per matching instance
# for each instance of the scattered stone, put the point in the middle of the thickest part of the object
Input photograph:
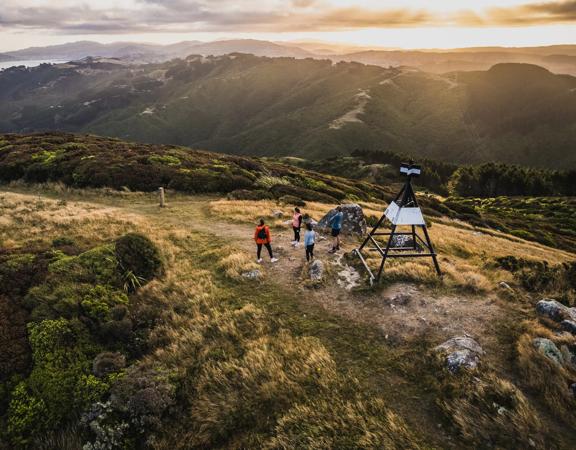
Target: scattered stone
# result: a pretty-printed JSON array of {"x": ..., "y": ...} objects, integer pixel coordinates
[
  {"x": 401, "y": 299},
  {"x": 555, "y": 310},
  {"x": 252, "y": 274},
  {"x": 316, "y": 270},
  {"x": 569, "y": 326},
  {"x": 353, "y": 222},
  {"x": 277, "y": 214},
  {"x": 548, "y": 348},
  {"x": 402, "y": 241},
  {"x": 505, "y": 285},
  {"x": 461, "y": 352}
]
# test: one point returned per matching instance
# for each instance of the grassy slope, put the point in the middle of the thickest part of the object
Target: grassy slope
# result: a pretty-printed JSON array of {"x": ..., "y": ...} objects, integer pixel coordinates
[{"x": 397, "y": 371}]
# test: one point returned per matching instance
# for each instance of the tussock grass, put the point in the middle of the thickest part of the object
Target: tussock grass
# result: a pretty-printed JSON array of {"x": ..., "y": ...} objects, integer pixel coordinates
[
  {"x": 340, "y": 423},
  {"x": 235, "y": 263},
  {"x": 489, "y": 411},
  {"x": 546, "y": 377}
]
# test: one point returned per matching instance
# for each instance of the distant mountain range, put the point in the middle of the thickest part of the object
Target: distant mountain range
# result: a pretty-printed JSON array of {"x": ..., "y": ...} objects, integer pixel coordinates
[
  {"x": 153, "y": 52},
  {"x": 556, "y": 58},
  {"x": 243, "y": 104}
]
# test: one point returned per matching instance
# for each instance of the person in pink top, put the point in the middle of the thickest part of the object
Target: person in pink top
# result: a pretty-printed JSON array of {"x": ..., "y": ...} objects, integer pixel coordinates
[{"x": 296, "y": 226}]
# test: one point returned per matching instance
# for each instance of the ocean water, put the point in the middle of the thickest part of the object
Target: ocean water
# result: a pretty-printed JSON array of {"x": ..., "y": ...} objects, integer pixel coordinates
[{"x": 29, "y": 63}]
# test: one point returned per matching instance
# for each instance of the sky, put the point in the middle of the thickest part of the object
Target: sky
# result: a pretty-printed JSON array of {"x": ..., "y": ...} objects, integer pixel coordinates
[{"x": 377, "y": 23}]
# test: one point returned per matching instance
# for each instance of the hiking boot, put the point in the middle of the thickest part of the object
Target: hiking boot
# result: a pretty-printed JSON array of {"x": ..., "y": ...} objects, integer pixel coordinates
[
  {"x": 259, "y": 261},
  {"x": 274, "y": 260}
]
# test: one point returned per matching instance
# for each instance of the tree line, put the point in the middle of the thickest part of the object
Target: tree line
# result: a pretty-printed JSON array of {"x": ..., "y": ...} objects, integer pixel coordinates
[{"x": 483, "y": 180}]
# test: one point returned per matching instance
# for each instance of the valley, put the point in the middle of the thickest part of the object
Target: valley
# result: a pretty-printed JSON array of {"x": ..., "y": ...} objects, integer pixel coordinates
[{"x": 243, "y": 104}]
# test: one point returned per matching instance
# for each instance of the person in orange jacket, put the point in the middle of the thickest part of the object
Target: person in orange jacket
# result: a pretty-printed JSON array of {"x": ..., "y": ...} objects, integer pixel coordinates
[{"x": 262, "y": 238}]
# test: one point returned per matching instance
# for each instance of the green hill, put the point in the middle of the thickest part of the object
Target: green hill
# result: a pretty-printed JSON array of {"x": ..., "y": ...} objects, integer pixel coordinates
[{"x": 243, "y": 104}]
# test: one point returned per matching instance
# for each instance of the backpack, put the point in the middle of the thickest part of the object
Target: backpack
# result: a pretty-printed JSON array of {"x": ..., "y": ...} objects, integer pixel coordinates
[{"x": 262, "y": 233}]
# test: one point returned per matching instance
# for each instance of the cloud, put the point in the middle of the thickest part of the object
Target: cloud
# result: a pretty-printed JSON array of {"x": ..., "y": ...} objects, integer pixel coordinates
[
  {"x": 145, "y": 16},
  {"x": 533, "y": 14}
]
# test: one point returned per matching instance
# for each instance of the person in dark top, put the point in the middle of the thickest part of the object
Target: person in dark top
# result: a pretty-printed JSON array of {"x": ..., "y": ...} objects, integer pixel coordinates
[
  {"x": 336, "y": 224},
  {"x": 262, "y": 238}
]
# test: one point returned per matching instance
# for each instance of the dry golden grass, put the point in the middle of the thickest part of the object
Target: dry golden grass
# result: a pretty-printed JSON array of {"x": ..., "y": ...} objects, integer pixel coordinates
[
  {"x": 248, "y": 211},
  {"x": 550, "y": 379},
  {"x": 239, "y": 375},
  {"x": 27, "y": 220},
  {"x": 490, "y": 411},
  {"x": 235, "y": 263}
]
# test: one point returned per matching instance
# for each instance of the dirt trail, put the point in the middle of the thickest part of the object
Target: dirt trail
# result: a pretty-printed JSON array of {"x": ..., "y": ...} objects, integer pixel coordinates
[{"x": 401, "y": 311}]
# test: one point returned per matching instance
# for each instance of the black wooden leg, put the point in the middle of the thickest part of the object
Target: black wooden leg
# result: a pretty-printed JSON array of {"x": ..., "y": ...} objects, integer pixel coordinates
[
  {"x": 434, "y": 257},
  {"x": 388, "y": 244}
]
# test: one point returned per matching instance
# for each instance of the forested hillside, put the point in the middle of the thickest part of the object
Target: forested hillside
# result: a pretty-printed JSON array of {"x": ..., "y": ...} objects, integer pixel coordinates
[{"x": 242, "y": 104}]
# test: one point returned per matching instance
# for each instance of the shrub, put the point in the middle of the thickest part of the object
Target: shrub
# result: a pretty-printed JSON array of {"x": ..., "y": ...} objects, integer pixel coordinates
[
  {"x": 245, "y": 194},
  {"x": 141, "y": 397},
  {"x": 14, "y": 349},
  {"x": 108, "y": 362},
  {"x": 98, "y": 302},
  {"x": 281, "y": 190},
  {"x": 95, "y": 266},
  {"x": 61, "y": 375},
  {"x": 20, "y": 271},
  {"x": 138, "y": 255},
  {"x": 291, "y": 200},
  {"x": 27, "y": 416}
]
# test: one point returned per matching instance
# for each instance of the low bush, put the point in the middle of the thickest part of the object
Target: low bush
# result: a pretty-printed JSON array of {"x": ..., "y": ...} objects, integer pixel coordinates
[
  {"x": 245, "y": 194},
  {"x": 138, "y": 256}
]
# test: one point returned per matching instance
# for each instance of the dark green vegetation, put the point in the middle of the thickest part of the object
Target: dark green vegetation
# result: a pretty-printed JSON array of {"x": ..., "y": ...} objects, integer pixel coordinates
[
  {"x": 70, "y": 323},
  {"x": 90, "y": 161},
  {"x": 548, "y": 220},
  {"x": 244, "y": 104},
  {"x": 483, "y": 180}
]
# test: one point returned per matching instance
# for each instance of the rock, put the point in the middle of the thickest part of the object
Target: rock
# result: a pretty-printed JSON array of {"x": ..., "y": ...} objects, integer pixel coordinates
[
  {"x": 316, "y": 270},
  {"x": 353, "y": 222},
  {"x": 569, "y": 326},
  {"x": 461, "y": 351},
  {"x": 548, "y": 348},
  {"x": 252, "y": 274},
  {"x": 504, "y": 285},
  {"x": 402, "y": 241},
  {"x": 277, "y": 214},
  {"x": 555, "y": 310},
  {"x": 573, "y": 389}
]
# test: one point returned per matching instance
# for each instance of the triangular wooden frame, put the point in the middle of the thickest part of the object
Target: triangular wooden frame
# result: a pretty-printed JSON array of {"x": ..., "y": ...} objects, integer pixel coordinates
[{"x": 403, "y": 211}]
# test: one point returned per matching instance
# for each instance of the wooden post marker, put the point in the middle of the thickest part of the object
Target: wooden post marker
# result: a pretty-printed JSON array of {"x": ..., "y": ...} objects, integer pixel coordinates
[{"x": 162, "y": 199}]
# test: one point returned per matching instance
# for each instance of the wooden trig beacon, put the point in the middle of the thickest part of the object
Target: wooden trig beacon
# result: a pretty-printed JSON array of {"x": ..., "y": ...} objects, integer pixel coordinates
[{"x": 402, "y": 213}]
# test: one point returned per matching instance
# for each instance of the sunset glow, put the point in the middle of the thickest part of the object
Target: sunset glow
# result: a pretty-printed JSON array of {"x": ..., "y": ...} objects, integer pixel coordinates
[{"x": 392, "y": 23}]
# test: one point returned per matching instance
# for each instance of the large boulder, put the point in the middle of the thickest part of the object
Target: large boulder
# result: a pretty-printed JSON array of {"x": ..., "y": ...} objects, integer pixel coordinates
[
  {"x": 354, "y": 221},
  {"x": 460, "y": 352},
  {"x": 555, "y": 310}
]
